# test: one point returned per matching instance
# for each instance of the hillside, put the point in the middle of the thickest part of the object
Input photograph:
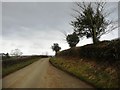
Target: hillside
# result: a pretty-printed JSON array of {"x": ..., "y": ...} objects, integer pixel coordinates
[
  {"x": 102, "y": 50},
  {"x": 96, "y": 64}
]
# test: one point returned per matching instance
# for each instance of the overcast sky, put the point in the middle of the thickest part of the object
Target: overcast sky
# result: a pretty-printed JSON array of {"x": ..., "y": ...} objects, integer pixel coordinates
[{"x": 33, "y": 27}]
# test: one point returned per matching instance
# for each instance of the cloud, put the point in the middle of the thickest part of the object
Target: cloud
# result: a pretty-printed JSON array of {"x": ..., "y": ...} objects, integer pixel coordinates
[{"x": 34, "y": 26}]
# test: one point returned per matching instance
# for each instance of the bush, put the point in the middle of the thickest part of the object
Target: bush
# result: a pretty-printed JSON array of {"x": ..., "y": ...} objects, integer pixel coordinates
[
  {"x": 103, "y": 50},
  {"x": 72, "y": 52},
  {"x": 109, "y": 50}
]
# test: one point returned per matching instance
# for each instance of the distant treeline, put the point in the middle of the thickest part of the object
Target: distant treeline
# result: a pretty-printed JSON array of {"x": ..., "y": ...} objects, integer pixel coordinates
[{"x": 22, "y": 57}]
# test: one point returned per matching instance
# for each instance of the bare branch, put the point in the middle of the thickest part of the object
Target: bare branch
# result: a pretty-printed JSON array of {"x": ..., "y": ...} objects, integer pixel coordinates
[
  {"x": 80, "y": 6},
  {"x": 76, "y": 11},
  {"x": 108, "y": 31}
]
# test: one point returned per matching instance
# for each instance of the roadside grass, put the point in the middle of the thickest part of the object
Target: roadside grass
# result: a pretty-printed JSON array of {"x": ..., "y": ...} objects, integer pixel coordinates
[
  {"x": 97, "y": 74},
  {"x": 12, "y": 68}
]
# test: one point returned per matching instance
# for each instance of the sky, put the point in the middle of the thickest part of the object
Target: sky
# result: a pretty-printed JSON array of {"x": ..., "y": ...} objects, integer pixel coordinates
[{"x": 33, "y": 27}]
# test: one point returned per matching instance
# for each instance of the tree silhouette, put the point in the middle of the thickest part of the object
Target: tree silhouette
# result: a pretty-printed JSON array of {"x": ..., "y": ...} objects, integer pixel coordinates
[
  {"x": 16, "y": 52},
  {"x": 56, "y": 48},
  {"x": 91, "y": 20},
  {"x": 72, "y": 39},
  {"x": 7, "y": 55}
]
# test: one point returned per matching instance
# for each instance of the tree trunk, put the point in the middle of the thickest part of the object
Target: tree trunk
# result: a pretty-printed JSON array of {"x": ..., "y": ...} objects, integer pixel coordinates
[
  {"x": 56, "y": 53},
  {"x": 94, "y": 37}
]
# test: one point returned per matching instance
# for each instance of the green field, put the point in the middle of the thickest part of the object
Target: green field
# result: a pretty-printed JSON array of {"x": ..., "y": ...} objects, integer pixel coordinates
[{"x": 12, "y": 65}]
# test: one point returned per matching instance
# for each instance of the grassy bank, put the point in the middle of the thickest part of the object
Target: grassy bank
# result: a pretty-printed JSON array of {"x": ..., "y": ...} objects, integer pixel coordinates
[
  {"x": 9, "y": 66},
  {"x": 99, "y": 75},
  {"x": 98, "y": 64}
]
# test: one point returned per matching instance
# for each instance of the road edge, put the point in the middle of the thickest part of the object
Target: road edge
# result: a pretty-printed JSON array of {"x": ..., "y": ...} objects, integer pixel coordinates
[{"x": 72, "y": 75}]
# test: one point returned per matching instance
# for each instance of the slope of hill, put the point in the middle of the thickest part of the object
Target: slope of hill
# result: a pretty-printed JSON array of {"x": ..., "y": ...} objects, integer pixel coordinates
[{"x": 97, "y": 64}]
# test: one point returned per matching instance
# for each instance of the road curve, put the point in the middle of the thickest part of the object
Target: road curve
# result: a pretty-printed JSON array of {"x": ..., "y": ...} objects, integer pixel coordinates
[{"x": 41, "y": 74}]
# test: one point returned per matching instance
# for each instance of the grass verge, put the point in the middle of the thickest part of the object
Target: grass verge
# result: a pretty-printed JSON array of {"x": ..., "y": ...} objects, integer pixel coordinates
[
  {"x": 12, "y": 68},
  {"x": 99, "y": 75}
]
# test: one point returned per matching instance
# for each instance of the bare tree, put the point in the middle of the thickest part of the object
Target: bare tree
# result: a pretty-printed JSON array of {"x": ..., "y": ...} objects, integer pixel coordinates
[
  {"x": 16, "y": 52},
  {"x": 91, "y": 20}
]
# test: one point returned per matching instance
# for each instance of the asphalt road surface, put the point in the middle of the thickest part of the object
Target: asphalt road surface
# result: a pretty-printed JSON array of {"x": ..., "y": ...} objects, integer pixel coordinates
[{"x": 41, "y": 74}]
